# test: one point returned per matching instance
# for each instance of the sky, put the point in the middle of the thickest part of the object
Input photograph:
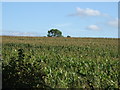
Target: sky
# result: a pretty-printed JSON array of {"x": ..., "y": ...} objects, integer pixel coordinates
[{"x": 76, "y": 19}]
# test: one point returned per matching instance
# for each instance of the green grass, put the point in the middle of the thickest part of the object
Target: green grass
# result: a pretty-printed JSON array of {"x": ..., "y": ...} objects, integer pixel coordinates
[{"x": 65, "y": 62}]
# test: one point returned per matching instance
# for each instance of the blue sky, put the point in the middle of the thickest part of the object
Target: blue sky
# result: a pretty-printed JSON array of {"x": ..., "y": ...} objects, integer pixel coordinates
[{"x": 78, "y": 19}]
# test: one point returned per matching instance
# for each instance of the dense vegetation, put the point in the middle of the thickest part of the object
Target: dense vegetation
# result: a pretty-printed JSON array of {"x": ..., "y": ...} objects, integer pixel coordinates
[
  {"x": 54, "y": 33},
  {"x": 48, "y": 62}
]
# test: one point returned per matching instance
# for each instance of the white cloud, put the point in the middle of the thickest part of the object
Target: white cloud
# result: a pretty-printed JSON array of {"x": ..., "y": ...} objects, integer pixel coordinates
[
  {"x": 15, "y": 33},
  {"x": 93, "y": 27},
  {"x": 87, "y": 12},
  {"x": 114, "y": 22}
]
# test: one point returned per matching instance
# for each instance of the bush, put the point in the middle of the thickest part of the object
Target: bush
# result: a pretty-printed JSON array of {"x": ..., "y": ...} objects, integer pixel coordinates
[{"x": 20, "y": 74}]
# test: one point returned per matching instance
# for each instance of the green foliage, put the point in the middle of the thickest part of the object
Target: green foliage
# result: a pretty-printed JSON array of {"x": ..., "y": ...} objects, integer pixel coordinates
[
  {"x": 68, "y": 36},
  {"x": 54, "y": 33},
  {"x": 22, "y": 74},
  {"x": 61, "y": 63}
]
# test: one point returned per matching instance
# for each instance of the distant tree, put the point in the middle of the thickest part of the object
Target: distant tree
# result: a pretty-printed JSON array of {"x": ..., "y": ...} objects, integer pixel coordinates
[
  {"x": 68, "y": 36},
  {"x": 54, "y": 33}
]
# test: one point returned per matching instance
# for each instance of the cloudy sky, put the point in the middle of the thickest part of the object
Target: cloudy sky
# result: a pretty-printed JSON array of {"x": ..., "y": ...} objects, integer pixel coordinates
[{"x": 77, "y": 19}]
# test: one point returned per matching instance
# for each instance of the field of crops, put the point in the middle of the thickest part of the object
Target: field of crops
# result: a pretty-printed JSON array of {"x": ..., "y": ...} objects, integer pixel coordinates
[{"x": 46, "y": 62}]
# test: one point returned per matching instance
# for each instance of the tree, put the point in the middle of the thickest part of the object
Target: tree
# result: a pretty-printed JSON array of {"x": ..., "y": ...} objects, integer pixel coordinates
[
  {"x": 68, "y": 36},
  {"x": 54, "y": 33}
]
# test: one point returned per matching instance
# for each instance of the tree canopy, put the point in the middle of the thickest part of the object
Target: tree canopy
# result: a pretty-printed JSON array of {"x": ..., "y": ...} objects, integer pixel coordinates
[{"x": 54, "y": 33}]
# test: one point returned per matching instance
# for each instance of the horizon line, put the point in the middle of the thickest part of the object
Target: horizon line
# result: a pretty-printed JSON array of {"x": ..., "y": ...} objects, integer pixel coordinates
[{"x": 59, "y": 37}]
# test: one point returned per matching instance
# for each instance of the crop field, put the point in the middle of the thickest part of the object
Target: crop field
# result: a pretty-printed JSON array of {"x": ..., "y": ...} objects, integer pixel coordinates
[{"x": 49, "y": 62}]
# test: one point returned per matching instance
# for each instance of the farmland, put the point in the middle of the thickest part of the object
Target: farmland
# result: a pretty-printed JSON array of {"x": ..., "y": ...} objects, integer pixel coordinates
[{"x": 47, "y": 62}]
